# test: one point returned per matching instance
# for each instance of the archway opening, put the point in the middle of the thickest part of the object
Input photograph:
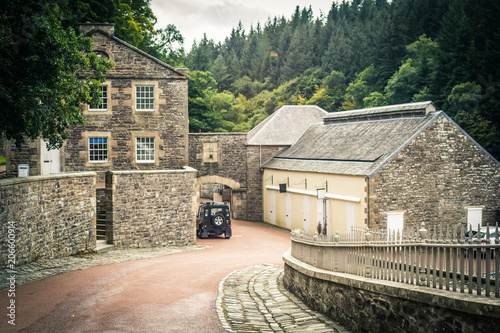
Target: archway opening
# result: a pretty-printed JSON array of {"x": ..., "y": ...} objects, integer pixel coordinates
[{"x": 215, "y": 188}]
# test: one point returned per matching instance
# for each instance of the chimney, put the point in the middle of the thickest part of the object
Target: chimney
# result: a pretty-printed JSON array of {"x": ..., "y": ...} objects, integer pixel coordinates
[{"x": 108, "y": 28}]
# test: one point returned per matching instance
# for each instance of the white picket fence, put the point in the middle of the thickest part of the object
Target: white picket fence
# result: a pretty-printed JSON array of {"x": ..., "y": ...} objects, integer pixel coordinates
[{"x": 441, "y": 259}]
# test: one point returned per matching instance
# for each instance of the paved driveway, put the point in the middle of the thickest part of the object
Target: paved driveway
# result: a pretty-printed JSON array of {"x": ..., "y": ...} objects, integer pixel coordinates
[{"x": 175, "y": 293}]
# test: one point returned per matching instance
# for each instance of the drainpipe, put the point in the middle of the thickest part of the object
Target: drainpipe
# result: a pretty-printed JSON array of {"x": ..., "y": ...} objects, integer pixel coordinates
[
  {"x": 368, "y": 201},
  {"x": 260, "y": 156}
]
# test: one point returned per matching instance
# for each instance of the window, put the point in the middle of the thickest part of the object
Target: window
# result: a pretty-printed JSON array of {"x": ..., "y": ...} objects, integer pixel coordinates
[
  {"x": 145, "y": 150},
  {"x": 103, "y": 106},
  {"x": 145, "y": 98},
  {"x": 101, "y": 54},
  {"x": 98, "y": 149}
]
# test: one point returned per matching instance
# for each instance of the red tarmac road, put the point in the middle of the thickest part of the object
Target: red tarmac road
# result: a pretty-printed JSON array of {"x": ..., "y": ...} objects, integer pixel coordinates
[{"x": 174, "y": 293}]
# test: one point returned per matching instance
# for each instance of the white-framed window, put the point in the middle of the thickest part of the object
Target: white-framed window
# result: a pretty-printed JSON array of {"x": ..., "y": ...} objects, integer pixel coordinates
[
  {"x": 145, "y": 98},
  {"x": 103, "y": 106},
  {"x": 145, "y": 150},
  {"x": 98, "y": 149}
]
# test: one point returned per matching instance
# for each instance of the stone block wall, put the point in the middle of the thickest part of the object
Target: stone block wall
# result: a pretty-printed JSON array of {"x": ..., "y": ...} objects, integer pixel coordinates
[
  {"x": 434, "y": 179},
  {"x": 29, "y": 153},
  {"x": 53, "y": 216},
  {"x": 228, "y": 155},
  {"x": 365, "y": 305},
  {"x": 151, "y": 208}
]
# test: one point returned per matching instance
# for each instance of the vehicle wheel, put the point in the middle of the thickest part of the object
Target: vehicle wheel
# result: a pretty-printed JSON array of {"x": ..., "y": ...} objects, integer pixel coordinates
[
  {"x": 227, "y": 236},
  {"x": 218, "y": 220}
]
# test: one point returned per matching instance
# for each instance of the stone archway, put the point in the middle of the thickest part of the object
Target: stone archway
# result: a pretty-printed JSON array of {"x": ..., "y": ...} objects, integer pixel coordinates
[
  {"x": 218, "y": 180},
  {"x": 237, "y": 193}
]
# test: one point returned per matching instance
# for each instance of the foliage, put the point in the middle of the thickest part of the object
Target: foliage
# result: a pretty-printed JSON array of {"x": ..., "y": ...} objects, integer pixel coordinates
[
  {"x": 134, "y": 23},
  {"x": 362, "y": 53},
  {"x": 133, "y": 19},
  {"x": 167, "y": 45},
  {"x": 47, "y": 72},
  {"x": 380, "y": 52}
]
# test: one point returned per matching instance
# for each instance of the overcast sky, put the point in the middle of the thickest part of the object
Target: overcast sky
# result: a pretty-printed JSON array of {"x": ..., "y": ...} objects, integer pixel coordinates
[{"x": 216, "y": 18}]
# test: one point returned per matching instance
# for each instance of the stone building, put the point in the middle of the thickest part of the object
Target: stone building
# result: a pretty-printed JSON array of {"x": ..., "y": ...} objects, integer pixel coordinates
[
  {"x": 141, "y": 123},
  {"x": 394, "y": 167},
  {"x": 234, "y": 159}
]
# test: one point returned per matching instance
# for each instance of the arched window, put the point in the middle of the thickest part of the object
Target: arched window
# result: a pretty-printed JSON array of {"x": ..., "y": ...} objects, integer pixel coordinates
[{"x": 101, "y": 54}]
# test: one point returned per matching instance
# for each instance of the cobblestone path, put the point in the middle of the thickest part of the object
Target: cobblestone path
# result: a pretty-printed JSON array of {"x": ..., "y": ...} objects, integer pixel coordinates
[{"x": 253, "y": 299}]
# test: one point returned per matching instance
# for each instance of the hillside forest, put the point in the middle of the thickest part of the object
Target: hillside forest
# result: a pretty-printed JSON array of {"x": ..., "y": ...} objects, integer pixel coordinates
[{"x": 362, "y": 53}]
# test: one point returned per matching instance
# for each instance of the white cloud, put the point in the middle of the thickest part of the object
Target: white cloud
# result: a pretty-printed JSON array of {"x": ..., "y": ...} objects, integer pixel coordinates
[{"x": 216, "y": 18}]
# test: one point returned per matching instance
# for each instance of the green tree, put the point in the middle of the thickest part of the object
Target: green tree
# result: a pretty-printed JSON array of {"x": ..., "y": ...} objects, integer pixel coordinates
[
  {"x": 133, "y": 19},
  {"x": 359, "y": 89},
  {"x": 374, "y": 99},
  {"x": 465, "y": 101},
  {"x": 220, "y": 73},
  {"x": 47, "y": 72},
  {"x": 244, "y": 86},
  {"x": 402, "y": 85},
  {"x": 167, "y": 45}
]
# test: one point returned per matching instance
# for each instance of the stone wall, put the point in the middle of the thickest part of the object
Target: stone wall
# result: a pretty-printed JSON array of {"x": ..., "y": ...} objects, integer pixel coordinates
[
  {"x": 228, "y": 156},
  {"x": 151, "y": 208},
  {"x": 220, "y": 158},
  {"x": 434, "y": 179},
  {"x": 53, "y": 216},
  {"x": 29, "y": 153},
  {"x": 364, "y": 305}
]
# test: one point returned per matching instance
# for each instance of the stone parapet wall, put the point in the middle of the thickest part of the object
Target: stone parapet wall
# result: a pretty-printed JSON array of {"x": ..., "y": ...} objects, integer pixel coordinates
[
  {"x": 366, "y": 305},
  {"x": 151, "y": 208},
  {"x": 52, "y": 216}
]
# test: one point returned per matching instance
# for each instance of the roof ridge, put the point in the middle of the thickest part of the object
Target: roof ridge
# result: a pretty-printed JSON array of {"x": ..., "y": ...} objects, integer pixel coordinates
[{"x": 419, "y": 109}]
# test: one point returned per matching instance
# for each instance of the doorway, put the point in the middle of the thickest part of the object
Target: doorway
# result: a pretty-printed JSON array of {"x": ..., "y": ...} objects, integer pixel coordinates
[{"x": 50, "y": 159}]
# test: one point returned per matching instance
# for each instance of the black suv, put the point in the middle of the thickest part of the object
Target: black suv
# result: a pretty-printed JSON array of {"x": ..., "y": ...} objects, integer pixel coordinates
[{"x": 213, "y": 218}]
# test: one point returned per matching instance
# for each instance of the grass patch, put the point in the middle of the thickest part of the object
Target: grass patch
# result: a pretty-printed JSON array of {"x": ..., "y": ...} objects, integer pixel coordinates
[{"x": 3, "y": 161}]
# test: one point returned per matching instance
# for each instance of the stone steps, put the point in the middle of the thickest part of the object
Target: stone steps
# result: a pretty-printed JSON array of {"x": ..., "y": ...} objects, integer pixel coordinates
[{"x": 102, "y": 246}]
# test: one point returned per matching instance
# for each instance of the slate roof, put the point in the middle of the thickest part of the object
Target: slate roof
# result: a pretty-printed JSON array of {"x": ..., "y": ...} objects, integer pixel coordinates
[
  {"x": 356, "y": 146},
  {"x": 285, "y": 125}
]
